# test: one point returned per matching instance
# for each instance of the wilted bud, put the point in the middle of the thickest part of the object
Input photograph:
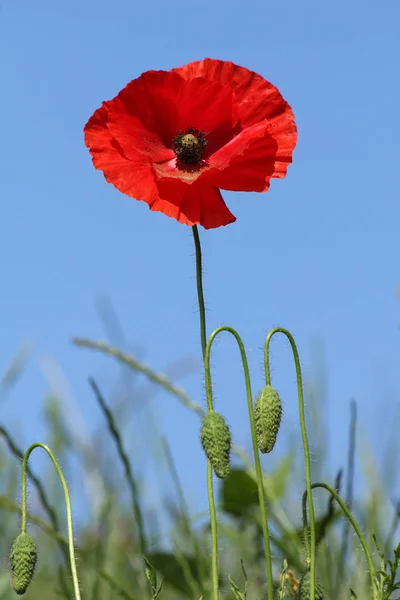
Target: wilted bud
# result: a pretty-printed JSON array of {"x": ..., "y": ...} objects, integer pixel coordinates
[
  {"x": 303, "y": 593},
  {"x": 267, "y": 416},
  {"x": 23, "y": 558},
  {"x": 216, "y": 441}
]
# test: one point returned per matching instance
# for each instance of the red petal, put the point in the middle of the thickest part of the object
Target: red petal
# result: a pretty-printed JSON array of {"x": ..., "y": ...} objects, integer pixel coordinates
[
  {"x": 133, "y": 137},
  {"x": 283, "y": 130},
  {"x": 258, "y": 99},
  {"x": 132, "y": 177},
  {"x": 264, "y": 147},
  {"x": 249, "y": 161},
  {"x": 97, "y": 136},
  {"x": 165, "y": 104},
  {"x": 194, "y": 204}
]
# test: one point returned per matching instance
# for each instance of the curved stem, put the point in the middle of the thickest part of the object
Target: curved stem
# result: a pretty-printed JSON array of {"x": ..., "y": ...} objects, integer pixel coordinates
[
  {"x": 310, "y": 552},
  {"x": 52, "y": 514},
  {"x": 67, "y": 504},
  {"x": 259, "y": 476},
  {"x": 353, "y": 523},
  {"x": 210, "y": 485}
]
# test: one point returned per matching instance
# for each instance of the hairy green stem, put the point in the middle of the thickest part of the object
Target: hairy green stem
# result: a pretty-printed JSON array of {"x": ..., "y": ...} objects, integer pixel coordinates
[
  {"x": 210, "y": 488},
  {"x": 51, "y": 512},
  {"x": 67, "y": 504},
  {"x": 353, "y": 523},
  {"x": 259, "y": 475},
  {"x": 310, "y": 552},
  {"x": 200, "y": 293}
]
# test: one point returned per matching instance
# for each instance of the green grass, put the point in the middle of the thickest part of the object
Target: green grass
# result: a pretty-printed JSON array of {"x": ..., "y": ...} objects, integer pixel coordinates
[{"x": 120, "y": 529}]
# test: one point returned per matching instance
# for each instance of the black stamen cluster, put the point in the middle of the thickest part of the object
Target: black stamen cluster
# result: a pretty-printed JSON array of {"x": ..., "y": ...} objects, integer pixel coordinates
[{"x": 189, "y": 146}]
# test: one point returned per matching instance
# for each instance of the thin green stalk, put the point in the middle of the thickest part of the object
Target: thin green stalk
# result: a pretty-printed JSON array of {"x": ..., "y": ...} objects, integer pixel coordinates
[
  {"x": 48, "y": 508},
  {"x": 200, "y": 293},
  {"x": 67, "y": 504},
  {"x": 7, "y": 504},
  {"x": 392, "y": 531},
  {"x": 259, "y": 475},
  {"x": 214, "y": 532},
  {"x": 331, "y": 550},
  {"x": 310, "y": 552},
  {"x": 101, "y": 550},
  {"x": 349, "y": 492},
  {"x": 115, "y": 433},
  {"x": 282, "y": 586},
  {"x": 188, "y": 530},
  {"x": 35, "y": 480},
  {"x": 210, "y": 488},
  {"x": 353, "y": 523}
]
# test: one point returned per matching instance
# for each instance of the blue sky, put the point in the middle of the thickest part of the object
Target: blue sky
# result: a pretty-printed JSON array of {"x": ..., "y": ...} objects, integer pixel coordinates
[{"x": 318, "y": 254}]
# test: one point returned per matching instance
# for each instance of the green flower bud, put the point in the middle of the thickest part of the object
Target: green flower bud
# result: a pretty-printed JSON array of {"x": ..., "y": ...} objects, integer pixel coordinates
[
  {"x": 23, "y": 557},
  {"x": 216, "y": 441},
  {"x": 267, "y": 416},
  {"x": 303, "y": 593}
]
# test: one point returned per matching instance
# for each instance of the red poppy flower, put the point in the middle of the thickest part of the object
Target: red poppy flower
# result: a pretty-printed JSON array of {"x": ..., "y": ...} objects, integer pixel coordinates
[{"x": 175, "y": 138}]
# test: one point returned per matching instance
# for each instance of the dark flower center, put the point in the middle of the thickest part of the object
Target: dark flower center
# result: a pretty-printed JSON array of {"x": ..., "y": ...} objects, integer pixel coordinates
[{"x": 189, "y": 146}]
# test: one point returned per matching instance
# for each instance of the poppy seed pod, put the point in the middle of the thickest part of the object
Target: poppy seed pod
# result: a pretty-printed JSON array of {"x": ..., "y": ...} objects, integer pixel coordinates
[
  {"x": 23, "y": 558},
  {"x": 267, "y": 416},
  {"x": 303, "y": 593},
  {"x": 216, "y": 441}
]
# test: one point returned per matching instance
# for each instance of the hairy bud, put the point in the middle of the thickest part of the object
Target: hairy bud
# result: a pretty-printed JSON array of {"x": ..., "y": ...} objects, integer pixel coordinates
[
  {"x": 216, "y": 441},
  {"x": 267, "y": 416},
  {"x": 23, "y": 558},
  {"x": 303, "y": 593}
]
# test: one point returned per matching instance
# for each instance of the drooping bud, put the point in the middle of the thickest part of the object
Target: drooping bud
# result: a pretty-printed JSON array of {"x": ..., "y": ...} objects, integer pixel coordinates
[
  {"x": 267, "y": 416},
  {"x": 23, "y": 558},
  {"x": 216, "y": 441},
  {"x": 303, "y": 593}
]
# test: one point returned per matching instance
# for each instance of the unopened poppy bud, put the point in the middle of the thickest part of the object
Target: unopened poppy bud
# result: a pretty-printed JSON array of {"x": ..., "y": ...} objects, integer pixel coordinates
[
  {"x": 267, "y": 416},
  {"x": 23, "y": 558},
  {"x": 303, "y": 592},
  {"x": 216, "y": 441}
]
